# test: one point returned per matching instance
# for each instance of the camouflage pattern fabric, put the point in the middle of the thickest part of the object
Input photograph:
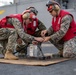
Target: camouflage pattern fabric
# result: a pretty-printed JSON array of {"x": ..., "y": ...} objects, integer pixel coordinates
[
  {"x": 20, "y": 31},
  {"x": 8, "y": 37},
  {"x": 41, "y": 27},
  {"x": 22, "y": 34},
  {"x": 68, "y": 47}
]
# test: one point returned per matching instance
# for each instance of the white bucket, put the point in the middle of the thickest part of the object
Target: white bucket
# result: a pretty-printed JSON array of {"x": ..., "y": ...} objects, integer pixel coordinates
[{"x": 33, "y": 51}]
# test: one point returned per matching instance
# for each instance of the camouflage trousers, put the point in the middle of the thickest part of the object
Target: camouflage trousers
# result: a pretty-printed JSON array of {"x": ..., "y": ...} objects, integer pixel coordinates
[
  {"x": 68, "y": 47},
  {"x": 8, "y": 37}
]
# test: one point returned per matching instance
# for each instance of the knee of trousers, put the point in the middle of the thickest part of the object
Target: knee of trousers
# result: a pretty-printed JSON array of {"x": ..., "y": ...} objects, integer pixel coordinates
[{"x": 67, "y": 55}]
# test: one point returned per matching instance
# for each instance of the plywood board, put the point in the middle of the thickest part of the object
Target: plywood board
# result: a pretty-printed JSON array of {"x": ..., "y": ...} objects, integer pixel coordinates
[{"x": 34, "y": 62}]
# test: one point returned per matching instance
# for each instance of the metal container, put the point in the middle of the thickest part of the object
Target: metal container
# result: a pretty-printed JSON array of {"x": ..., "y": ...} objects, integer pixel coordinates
[{"x": 33, "y": 51}]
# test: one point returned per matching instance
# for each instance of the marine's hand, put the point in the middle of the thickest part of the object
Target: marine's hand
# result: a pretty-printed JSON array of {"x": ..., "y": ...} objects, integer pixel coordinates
[
  {"x": 19, "y": 41},
  {"x": 43, "y": 33},
  {"x": 34, "y": 42},
  {"x": 39, "y": 39},
  {"x": 47, "y": 39}
]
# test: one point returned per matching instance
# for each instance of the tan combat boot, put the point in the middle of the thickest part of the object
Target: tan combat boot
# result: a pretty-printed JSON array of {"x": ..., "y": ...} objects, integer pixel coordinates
[{"x": 10, "y": 56}]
